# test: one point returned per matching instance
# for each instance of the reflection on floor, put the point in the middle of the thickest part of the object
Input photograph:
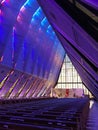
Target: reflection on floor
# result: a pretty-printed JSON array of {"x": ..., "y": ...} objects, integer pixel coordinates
[{"x": 92, "y": 123}]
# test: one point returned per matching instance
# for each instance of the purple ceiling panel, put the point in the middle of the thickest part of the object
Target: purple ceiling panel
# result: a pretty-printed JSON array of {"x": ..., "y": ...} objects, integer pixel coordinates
[
  {"x": 28, "y": 46},
  {"x": 68, "y": 27},
  {"x": 78, "y": 43},
  {"x": 8, "y": 14},
  {"x": 92, "y": 3},
  {"x": 90, "y": 83},
  {"x": 78, "y": 57},
  {"x": 86, "y": 72}
]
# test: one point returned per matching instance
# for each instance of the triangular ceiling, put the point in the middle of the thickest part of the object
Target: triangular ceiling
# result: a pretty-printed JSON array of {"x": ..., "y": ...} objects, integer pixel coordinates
[
  {"x": 78, "y": 36},
  {"x": 35, "y": 53}
]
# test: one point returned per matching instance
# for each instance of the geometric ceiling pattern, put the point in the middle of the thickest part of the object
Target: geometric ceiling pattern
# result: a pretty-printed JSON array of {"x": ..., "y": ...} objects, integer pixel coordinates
[
  {"x": 76, "y": 25},
  {"x": 30, "y": 53}
]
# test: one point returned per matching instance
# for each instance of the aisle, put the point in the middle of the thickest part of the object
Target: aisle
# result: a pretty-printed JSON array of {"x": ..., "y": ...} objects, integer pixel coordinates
[{"x": 92, "y": 123}]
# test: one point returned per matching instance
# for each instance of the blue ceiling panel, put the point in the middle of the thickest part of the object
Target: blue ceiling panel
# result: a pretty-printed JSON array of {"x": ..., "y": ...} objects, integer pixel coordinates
[{"x": 28, "y": 44}]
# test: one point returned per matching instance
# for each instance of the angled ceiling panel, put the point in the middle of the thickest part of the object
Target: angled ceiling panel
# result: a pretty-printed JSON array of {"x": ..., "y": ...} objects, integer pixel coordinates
[
  {"x": 78, "y": 37},
  {"x": 29, "y": 48}
]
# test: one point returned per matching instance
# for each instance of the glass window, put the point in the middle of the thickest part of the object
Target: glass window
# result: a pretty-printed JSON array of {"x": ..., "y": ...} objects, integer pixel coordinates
[{"x": 69, "y": 78}]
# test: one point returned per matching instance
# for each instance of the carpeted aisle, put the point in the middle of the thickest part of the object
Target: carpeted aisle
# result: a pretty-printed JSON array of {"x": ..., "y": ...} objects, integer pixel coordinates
[{"x": 92, "y": 123}]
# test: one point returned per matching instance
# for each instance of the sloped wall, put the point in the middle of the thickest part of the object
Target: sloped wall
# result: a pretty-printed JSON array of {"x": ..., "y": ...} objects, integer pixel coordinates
[
  {"x": 78, "y": 42},
  {"x": 30, "y": 53}
]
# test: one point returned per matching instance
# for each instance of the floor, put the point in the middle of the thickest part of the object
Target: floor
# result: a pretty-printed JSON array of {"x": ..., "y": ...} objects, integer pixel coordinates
[{"x": 92, "y": 123}]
